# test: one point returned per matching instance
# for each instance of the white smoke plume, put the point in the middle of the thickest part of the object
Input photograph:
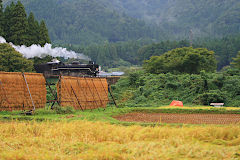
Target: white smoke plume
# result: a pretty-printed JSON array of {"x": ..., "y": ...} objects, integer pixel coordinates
[
  {"x": 2, "y": 40},
  {"x": 38, "y": 51}
]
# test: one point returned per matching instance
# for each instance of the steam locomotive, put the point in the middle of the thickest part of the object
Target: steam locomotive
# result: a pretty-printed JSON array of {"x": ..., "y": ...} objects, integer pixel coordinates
[{"x": 75, "y": 69}]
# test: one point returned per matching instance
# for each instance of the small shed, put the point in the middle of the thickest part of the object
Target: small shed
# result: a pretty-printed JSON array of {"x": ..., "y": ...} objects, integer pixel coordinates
[{"x": 217, "y": 104}]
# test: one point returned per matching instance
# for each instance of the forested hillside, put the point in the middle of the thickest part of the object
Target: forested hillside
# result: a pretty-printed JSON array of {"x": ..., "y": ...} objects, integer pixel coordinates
[
  {"x": 177, "y": 17},
  {"x": 96, "y": 21},
  {"x": 127, "y": 32},
  {"x": 85, "y": 22}
]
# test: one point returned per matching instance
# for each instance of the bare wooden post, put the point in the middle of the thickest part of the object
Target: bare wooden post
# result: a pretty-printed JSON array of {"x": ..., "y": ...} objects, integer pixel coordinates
[
  {"x": 110, "y": 91},
  {"x": 53, "y": 94},
  {"x": 60, "y": 88},
  {"x": 29, "y": 91}
]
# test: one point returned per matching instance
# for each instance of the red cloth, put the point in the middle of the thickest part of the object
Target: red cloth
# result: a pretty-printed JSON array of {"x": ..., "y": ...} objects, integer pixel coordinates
[{"x": 176, "y": 103}]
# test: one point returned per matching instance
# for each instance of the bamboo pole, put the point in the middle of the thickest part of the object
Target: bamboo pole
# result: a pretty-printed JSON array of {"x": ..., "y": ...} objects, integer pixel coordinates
[
  {"x": 29, "y": 91},
  {"x": 77, "y": 98},
  {"x": 60, "y": 89},
  {"x": 106, "y": 92},
  {"x": 110, "y": 91}
]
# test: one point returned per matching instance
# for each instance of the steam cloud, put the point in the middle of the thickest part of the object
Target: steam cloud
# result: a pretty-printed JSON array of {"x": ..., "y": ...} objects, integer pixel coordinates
[{"x": 38, "y": 51}]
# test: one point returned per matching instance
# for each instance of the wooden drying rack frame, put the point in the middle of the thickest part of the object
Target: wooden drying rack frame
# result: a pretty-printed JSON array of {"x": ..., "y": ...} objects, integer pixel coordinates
[
  {"x": 54, "y": 94},
  {"x": 57, "y": 100},
  {"x": 30, "y": 112}
]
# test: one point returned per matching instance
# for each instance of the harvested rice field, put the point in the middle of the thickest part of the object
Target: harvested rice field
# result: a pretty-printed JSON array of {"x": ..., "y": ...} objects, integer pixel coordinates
[
  {"x": 181, "y": 118},
  {"x": 96, "y": 135},
  {"x": 103, "y": 141}
]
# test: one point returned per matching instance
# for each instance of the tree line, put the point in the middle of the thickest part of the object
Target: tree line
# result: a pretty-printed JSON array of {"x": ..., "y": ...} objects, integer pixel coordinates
[
  {"x": 136, "y": 52},
  {"x": 110, "y": 55},
  {"x": 20, "y": 29},
  {"x": 225, "y": 48}
]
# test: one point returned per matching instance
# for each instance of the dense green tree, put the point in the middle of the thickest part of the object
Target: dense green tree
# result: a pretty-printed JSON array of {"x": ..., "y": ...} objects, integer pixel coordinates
[
  {"x": 236, "y": 61},
  {"x": 33, "y": 30},
  {"x": 1, "y": 20},
  {"x": 8, "y": 22},
  {"x": 112, "y": 54},
  {"x": 13, "y": 61},
  {"x": 107, "y": 51},
  {"x": 18, "y": 25},
  {"x": 182, "y": 60},
  {"x": 43, "y": 34},
  {"x": 20, "y": 29},
  {"x": 157, "y": 49}
]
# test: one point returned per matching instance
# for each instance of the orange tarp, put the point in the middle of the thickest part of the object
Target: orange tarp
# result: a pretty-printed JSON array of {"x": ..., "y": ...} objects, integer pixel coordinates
[
  {"x": 14, "y": 94},
  {"x": 83, "y": 92},
  {"x": 176, "y": 103}
]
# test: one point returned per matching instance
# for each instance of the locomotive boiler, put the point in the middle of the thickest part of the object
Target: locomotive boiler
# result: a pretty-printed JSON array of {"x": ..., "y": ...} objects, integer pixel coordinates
[{"x": 75, "y": 69}]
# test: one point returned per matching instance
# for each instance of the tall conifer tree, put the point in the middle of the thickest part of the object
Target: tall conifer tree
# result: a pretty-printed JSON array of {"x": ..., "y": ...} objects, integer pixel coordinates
[
  {"x": 7, "y": 20},
  {"x": 236, "y": 61},
  {"x": 1, "y": 20},
  {"x": 43, "y": 34},
  {"x": 18, "y": 25},
  {"x": 33, "y": 30}
]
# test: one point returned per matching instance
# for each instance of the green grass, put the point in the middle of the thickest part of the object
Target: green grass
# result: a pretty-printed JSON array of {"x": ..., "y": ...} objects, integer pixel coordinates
[
  {"x": 48, "y": 114},
  {"x": 106, "y": 115}
]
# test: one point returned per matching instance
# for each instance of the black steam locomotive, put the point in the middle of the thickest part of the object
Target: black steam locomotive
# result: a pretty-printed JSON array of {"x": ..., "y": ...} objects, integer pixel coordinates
[{"x": 75, "y": 69}]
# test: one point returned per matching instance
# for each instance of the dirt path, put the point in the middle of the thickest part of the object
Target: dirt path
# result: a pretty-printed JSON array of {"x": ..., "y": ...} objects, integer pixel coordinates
[{"x": 181, "y": 118}]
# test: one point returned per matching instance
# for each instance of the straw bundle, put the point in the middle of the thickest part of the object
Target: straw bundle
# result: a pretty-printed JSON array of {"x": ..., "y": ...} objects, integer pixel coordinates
[
  {"x": 14, "y": 92},
  {"x": 83, "y": 93}
]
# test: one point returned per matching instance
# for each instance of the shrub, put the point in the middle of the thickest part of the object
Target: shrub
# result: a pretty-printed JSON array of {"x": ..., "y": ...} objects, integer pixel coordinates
[
  {"x": 161, "y": 89},
  {"x": 209, "y": 97}
]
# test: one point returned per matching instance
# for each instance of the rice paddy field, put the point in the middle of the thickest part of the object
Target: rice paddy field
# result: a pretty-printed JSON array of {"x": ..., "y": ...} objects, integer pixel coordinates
[{"x": 96, "y": 134}]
